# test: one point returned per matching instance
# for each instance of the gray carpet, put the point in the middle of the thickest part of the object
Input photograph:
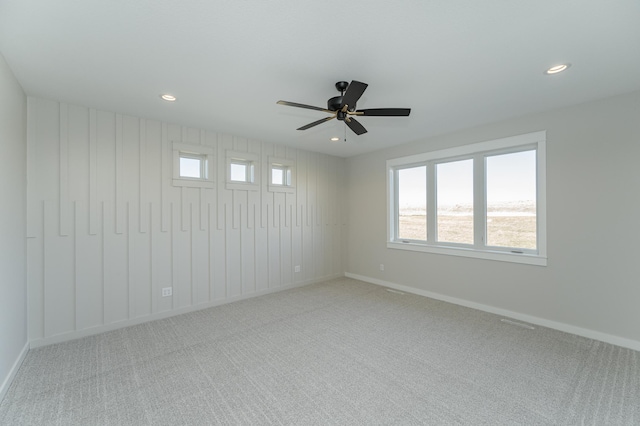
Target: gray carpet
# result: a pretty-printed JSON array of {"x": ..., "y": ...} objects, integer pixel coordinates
[{"x": 339, "y": 352}]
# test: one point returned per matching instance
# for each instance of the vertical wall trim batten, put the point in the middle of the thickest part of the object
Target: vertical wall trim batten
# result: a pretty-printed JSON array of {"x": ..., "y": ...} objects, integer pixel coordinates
[
  {"x": 44, "y": 268},
  {"x": 221, "y": 170},
  {"x": 32, "y": 114},
  {"x": 291, "y": 246},
  {"x": 103, "y": 270},
  {"x": 278, "y": 226},
  {"x": 240, "y": 260},
  {"x": 174, "y": 267},
  {"x": 191, "y": 252},
  {"x": 302, "y": 247},
  {"x": 209, "y": 257},
  {"x": 234, "y": 208},
  {"x": 203, "y": 208},
  {"x": 142, "y": 200},
  {"x": 64, "y": 171},
  {"x": 184, "y": 203},
  {"x": 263, "y": 196},
  {"x": 203, "y": 191},
  {"x": 130, "y": 262},
  {"x": 165, "y": 177},
  {"x": 93, "y": 173},
  {"x": 75, "y": 265},
  {"x": 226, "y": 265},
  {"x": 255, "y": 259},
  {"x": 268, "y": 251},
  {"x": 120, "y": 207},
  {"x": 152, "y": 304}
]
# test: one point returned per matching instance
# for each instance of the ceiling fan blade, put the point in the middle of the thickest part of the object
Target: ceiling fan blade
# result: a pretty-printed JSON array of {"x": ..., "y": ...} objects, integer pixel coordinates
[
  {"x": 315, "y": 123},
  {"x": 385, "y": 112},
  {"x": 293, "y": 104},
  {"x": 353, "y": 93},
  {"x": 354, "y": 125}
]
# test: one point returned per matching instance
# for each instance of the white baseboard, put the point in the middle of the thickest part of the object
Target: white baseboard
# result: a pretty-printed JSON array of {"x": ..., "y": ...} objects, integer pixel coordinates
[
  {"x": 72, "y": 335},
  {"x": 12, "y": 373},
  {"x": 567, "y": 328}
]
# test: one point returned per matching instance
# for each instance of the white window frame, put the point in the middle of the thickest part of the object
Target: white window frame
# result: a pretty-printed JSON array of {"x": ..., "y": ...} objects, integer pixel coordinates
[
  {"x": 288, "y": 167},
  {"x": 478, "y": 152},
  {"x": 252, "y": 161},
  {"x": 207, "y": 157}
]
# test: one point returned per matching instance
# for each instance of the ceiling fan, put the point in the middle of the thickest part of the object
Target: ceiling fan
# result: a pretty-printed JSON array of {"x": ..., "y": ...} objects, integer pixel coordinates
[{"x": 343, "y": 107}]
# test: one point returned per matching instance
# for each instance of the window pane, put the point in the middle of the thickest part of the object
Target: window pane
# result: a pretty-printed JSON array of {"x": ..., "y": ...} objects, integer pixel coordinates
[
  {"x": 412, "y": 203},
  {"x": 511, "y": 200},
  {"x": 190, "y": 167},
  {"x": 239, "y": 172},
  {"x": 455, "y": 201},
  {"x": 277, "y": 176}
]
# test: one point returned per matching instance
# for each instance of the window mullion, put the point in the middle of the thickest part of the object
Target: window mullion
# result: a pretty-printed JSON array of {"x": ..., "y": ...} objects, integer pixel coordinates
[
  {"x": 396, "y": 207},
  {"x": 431, "y": 202},
  {"x": 479, "y": 202}
]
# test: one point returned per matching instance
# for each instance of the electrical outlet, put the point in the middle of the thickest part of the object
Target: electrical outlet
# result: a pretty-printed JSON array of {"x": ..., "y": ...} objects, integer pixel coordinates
[
  {"x": 382, "y": 266},
  {"x": 167, "y": 291},
  {"x": 297, "y": 268}
]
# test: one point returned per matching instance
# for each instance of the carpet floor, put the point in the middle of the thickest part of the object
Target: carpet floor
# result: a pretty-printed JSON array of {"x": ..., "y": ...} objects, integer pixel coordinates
[{"x": 338, "y": 352}]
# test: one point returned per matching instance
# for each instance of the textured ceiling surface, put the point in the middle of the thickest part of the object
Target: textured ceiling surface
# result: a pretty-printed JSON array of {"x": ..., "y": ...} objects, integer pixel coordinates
[{"x": 456, "y": 63}]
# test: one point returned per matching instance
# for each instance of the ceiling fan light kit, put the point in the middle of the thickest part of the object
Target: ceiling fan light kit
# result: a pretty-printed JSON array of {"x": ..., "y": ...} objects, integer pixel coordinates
[{"x": 343, "y": 107}]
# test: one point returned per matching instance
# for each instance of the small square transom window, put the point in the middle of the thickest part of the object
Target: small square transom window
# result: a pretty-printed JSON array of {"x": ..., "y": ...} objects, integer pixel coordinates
[
  {"x": 192, "y": 166},
  {"x": 241, "y": 171},
  {"x": 280, "y": 175}
]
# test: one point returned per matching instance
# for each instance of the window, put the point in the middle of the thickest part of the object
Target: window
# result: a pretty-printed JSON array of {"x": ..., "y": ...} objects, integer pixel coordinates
[
  {"x": 242, "y": 170},
  {"x": 511, "y": 200},
  {"x": 485, "y": 200},
  {"x": 454, "y": 201},
  {"x": 412, "y": 203},
  {"x": 192, "y": 165},
  {"x": 281, "y": 175}
]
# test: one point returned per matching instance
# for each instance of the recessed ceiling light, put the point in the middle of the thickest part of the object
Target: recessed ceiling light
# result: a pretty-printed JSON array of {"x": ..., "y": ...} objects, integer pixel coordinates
[
  {"x": 557, "y": 68},
  {"x": 335, "y": 139},
  {"x": 168, "y": 98}
]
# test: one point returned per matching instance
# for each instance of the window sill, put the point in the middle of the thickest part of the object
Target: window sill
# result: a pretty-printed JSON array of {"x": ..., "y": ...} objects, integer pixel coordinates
[{"x": 527, "y": 259}]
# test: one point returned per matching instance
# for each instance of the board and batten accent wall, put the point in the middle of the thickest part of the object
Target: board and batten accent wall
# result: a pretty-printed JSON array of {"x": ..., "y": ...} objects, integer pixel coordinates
[{"x": 107, "y": 230}]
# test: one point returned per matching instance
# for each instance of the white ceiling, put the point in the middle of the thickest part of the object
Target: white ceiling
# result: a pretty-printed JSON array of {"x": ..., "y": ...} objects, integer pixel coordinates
[{"x": 456, "y": 63}]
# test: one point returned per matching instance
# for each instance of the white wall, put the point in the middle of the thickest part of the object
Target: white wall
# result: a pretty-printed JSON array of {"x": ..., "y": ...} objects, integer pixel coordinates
[
  {"x": 592, "y": 279},
  {"x": 13, "y": 295},
  {"x": 107, "y": 230}
]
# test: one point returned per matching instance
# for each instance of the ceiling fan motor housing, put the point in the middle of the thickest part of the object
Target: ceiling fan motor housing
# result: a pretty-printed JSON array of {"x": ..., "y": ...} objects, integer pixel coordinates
[{"x": 334, "y": 103}]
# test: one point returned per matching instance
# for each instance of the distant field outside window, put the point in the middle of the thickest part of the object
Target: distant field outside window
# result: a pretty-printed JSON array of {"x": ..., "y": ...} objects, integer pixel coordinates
[
  {"x": 412, "y": 203},
  {"x": 455, "y": 201},
  {"x": 511, "y": 200}
]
